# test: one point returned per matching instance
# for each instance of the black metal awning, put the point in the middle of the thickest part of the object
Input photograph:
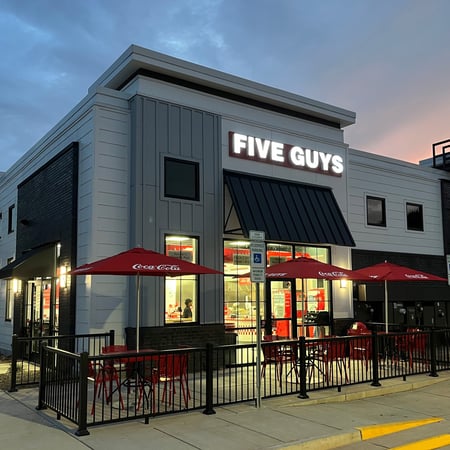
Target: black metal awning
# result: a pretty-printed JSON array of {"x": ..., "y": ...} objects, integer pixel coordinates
[
  {"x": 287, "y": 211},
  {"x": 36, "y": 262}
]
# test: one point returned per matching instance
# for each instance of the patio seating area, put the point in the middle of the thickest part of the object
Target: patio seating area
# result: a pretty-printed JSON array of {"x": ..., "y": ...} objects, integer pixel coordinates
[{"x": 125, "y": 385}]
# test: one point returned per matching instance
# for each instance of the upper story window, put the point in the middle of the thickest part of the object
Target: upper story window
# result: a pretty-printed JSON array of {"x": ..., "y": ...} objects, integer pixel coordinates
[
  {"x": 181, "y": 179},
  {"x": 11, "y": 218},
  {"x": 376, "y": 211},
  {"x": 414, "y": 217}
]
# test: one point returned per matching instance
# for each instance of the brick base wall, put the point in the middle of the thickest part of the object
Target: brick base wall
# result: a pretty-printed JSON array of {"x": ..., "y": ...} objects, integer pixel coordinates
[{"x": 162, "y": 338}]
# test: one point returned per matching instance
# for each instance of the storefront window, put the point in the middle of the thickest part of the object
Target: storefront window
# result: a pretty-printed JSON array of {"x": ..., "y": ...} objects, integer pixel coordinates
[
  {"x": 240, "y": 292},
  {"x": 278, "y": 253},
  {"x": 311, "y": 296},
  {"x": 181, "y": 293}
]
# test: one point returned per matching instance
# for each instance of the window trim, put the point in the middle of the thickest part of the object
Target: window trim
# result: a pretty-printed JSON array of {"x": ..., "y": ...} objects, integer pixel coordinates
[{"x": 383, "y": 223}]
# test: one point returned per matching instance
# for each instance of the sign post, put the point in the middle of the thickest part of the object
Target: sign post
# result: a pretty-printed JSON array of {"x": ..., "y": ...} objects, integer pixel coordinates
[
  {"x": 448, "y": 268},
  {"x": 258, "y": 275}
]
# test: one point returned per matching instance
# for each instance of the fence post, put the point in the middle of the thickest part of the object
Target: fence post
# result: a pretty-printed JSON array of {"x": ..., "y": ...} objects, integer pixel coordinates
[
  {"x": 375, "y": 351},
  {"x": 42, "y": 375},
  {"x": 209, "y": 380},
  {"x": 111, "y": 337},
  {"x": 82, "y": 401},
  {"x": 14, "y": 357},
  {"x": 433, "y": 363},
  {"x": 302, "y": 360}
]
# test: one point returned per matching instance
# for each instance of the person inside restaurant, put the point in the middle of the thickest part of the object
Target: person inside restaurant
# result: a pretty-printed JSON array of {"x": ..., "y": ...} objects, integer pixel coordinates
[{"x": 187, "y": 312}]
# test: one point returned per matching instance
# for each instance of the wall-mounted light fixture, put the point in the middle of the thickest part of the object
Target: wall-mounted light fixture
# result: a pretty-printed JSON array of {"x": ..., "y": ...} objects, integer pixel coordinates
[
  {"x": 63, "y": 276},
  {"x": 16, "y": 285},
  {"x": 343, "y": 283}
]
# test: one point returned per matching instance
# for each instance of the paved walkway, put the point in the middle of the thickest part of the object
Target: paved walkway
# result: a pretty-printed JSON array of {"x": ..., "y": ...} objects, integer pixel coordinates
[{"x": 327, "y": 419}]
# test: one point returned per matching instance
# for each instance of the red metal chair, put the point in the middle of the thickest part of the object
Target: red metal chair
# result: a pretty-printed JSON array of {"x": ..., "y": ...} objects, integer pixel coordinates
[
  {"x": 107, "y": 378},
  {"x": 172, "y": 371},
  {"x": 274, "y": 353},
  {"x": 418, "y": 348},
  {"x": 334, "y": 359},
  {"x": 360, "y": 348},
  {"x": 412, "y": 347}
]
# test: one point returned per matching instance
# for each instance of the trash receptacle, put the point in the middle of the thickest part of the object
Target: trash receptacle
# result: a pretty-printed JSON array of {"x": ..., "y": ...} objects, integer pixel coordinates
[
  {"x": 360, "y": 348},
  {"x": 358, "y": 328}
]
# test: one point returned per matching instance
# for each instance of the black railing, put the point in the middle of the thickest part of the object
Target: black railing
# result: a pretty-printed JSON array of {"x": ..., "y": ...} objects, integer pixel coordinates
[
  {"x": 93, "y": 390},
  {"x": 26, "y": 352}
]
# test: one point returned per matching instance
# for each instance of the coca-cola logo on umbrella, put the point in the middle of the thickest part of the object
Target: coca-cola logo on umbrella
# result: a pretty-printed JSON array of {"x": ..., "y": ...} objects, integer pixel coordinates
[{"x": 162, "y": 267}]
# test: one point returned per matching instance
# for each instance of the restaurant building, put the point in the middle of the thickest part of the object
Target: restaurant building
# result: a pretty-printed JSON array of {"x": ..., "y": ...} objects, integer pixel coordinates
[{"x": 186, "y": 160}]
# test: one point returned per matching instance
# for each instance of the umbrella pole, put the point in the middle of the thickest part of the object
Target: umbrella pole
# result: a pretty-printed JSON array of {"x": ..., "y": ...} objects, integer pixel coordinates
[
  {"x": 138, "y": 303},
  {"x": 303, "y": 307},
  {"x": 386, "y": 303}
]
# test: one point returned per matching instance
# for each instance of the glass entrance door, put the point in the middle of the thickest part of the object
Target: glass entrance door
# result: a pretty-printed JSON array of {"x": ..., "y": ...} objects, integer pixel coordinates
[
  {"x": 313, "y": 307},
  {"x": 298, "y": 308},
  {"x": 39, "y": 316},
  {"x": 283, "y": 310}
]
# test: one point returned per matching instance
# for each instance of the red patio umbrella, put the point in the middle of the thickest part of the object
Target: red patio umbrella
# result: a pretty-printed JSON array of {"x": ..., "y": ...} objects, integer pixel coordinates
[
  {"x": 141, "y": 262},
  {"x": 303, "y": 267},
  {"x": 386, "y": 271}
]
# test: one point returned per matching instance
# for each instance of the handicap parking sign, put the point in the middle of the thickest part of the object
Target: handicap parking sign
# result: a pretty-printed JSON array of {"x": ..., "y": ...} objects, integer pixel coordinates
[
  {"x": 257, "y": 254},
  {"x": 257, "y": 258}
]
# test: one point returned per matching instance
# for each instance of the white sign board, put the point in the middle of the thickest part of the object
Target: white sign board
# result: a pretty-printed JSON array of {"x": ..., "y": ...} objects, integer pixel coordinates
[
  {"x": 255, "y": 235},
  {"x": 257, "y": 254},
  {"x": 257, "y": 261},
  {"x": 257, "y": 275}
]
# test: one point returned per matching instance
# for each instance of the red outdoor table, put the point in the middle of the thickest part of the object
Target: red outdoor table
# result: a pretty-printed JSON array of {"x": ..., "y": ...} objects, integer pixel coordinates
[{"x": 137, "y": 376}]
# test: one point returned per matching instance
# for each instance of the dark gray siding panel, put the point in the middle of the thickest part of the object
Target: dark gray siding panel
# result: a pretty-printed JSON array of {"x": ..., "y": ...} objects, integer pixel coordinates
[{"x": 161, "y": 129}]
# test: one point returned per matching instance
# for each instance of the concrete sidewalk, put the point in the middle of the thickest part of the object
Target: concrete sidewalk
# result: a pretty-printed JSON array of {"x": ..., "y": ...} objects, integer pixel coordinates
[{"x": 326, "y": 420}]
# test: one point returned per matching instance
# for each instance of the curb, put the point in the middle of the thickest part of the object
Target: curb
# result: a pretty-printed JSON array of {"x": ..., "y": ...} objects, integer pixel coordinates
[
  {"x": 325, "y": 443},
  {"x": 363, "y": 392},
  {"x": 361, "y": 433}
]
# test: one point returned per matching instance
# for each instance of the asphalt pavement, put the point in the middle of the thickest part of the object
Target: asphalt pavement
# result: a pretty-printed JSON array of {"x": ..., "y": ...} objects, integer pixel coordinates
[{"x": 326, "y": 420}]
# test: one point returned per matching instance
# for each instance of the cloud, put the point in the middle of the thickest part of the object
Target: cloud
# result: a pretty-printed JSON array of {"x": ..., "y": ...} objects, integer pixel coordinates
[{"x": 385, "y": 60}]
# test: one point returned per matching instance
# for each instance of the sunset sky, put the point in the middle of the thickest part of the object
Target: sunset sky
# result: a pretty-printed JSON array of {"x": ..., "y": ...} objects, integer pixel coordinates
[{"x": 386, "y": 60}]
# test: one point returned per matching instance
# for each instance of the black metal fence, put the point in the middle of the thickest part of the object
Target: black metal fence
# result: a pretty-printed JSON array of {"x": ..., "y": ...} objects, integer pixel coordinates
[
  {"x": 25, "y": 357},
  {"x": 92, "y": 390}
]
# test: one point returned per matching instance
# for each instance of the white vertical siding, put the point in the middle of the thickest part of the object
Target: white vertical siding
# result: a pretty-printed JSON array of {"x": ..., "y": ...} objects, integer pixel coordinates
[{"x": 102, "y": 301}]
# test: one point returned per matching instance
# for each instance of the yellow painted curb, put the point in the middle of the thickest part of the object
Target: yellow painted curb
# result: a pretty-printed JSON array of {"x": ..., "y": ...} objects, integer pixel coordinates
[
  {"x": 363, "y": 433},
  {"x": 373, "y": 431},
  {"x": 426, "y": 444}
]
